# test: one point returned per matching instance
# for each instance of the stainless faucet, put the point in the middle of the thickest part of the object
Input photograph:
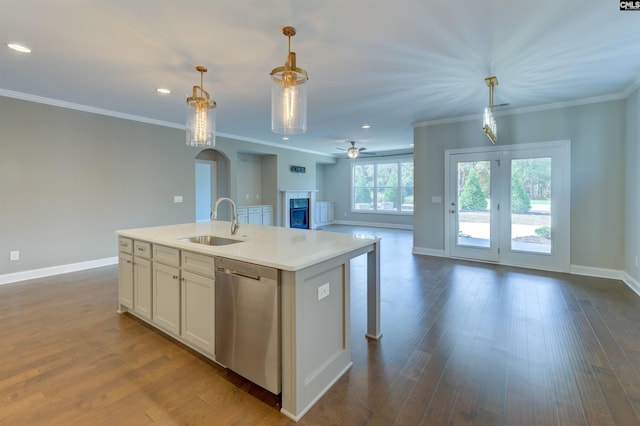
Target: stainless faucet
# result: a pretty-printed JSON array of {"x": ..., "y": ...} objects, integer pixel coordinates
[{"x": 234, "y": 213}]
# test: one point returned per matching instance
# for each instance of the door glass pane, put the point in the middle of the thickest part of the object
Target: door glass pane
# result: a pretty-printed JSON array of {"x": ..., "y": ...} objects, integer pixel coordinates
[
  {"x": 474, "y": 214},
  {"x": 531, "y": 205}
]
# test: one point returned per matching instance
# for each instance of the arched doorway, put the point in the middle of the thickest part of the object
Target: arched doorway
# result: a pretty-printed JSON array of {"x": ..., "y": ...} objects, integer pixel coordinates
[{"x": 212, "y": 180}]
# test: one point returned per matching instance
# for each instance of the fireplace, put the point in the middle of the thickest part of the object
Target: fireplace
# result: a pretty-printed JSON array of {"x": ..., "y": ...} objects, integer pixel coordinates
[
  {"x": 302, "y": 202},
  {"x": 299, "y": 213}
]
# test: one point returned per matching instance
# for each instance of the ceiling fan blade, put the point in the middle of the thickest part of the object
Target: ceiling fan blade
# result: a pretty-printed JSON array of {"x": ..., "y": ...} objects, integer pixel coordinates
[{"x": 362, "y": 149}]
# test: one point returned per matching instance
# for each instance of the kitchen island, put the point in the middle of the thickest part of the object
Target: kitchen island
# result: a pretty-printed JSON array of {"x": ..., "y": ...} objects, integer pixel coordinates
[{"x": 314, "y": 274}]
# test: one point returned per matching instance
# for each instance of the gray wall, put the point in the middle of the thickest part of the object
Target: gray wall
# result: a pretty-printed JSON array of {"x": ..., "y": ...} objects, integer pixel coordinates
[
  {"x": 632, "y": 223},
  {"x": 597, "y": 134},
  {"x": 69, "y": 179}
]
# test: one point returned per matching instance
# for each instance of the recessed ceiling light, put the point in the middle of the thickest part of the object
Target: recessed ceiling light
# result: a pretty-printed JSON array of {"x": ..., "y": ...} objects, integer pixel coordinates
[
  {"x": 366, "y": 126},
  {"x": 285, "y": 138},
  {"x": 18, "y": 47},
  {"x": 163, "y": 90}
]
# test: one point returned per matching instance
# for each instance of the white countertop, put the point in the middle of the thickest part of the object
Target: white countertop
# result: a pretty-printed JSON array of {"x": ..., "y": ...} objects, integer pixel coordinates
[{"x": 282, "y": 248}]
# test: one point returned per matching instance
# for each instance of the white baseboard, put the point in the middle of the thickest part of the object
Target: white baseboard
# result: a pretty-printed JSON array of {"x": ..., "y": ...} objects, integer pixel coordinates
[
  {"x": 590, "y": 271},
  {"x": 373, "y": 224},
  {"x": 56, "y": 270},
  {"x": 428, "y": 251},
  {"x": 631, "y": 283}
]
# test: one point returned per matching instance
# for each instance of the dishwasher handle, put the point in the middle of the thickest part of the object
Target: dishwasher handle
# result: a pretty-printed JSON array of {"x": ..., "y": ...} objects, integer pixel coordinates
[{"x": 239, "y": 274}]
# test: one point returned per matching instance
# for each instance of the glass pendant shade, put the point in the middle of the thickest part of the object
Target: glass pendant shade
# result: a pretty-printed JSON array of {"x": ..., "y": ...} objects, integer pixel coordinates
[
  {"x": 488, "y": 120},
  {"x": 289, "y": 94},
  {"x": 489, "y": 125},
  {"x": 353, "y": 152},
  {"x": 288, "y": 105},
  {"x": 201, "y": 116}
]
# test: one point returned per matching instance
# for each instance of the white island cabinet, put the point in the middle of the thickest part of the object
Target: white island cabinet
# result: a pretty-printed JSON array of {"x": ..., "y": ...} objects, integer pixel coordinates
[{"x": 314, "y": 294}]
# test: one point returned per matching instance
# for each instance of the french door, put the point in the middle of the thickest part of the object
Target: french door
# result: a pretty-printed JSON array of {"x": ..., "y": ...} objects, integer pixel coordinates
[{"x": 509, "y": 204}]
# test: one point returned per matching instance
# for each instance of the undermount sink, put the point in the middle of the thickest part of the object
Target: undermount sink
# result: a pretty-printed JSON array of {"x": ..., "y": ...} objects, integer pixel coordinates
[{"x": 210, "y": 240}]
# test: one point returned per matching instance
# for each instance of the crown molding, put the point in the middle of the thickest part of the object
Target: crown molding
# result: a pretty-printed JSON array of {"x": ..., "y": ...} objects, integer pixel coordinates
[
  {"x": 116, "y": 114},
  {"x": 535, "y": 108},
  {"x": 85, "y": 108}
]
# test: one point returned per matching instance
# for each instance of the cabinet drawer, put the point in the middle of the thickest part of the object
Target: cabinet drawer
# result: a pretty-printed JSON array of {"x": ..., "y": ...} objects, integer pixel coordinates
[
  {"x": 255, "y": 210},
  {"x": 198, "y": 263},
  {"x": 142, "y": 249},
  {"x": 267, "y": 209},
  {"x": 125, "y": 245},
  {"x": 241, "y": 211},
  {"x": 167, "y": 255}
]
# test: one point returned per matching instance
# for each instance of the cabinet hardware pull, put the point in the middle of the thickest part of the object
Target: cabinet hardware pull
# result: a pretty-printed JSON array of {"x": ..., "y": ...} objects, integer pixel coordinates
[{"x": 175, "y": 277}]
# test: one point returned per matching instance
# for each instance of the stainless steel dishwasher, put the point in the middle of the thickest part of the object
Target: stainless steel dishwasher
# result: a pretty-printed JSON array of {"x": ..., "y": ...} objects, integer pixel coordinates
[{"x": 248, "y": 321}]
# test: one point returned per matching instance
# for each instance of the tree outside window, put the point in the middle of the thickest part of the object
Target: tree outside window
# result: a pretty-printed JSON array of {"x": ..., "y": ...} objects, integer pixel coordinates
[{"x": 383, "y": 187}]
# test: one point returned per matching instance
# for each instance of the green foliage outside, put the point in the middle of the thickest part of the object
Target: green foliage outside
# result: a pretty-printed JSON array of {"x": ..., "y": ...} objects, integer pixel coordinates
[
  {"x": 471, "y": 197},
  {"x": 520, "y": 201},
  {"x": 544, "y": 232}
]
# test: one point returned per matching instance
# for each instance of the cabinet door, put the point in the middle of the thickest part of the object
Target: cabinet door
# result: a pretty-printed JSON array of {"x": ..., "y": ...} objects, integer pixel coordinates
[
  {"x": 267, "y": 219},
  {"x": 125, "y": 280},
  {"x": 166, "y": 297},
  {"x": 142, "y": 287},
  {"x": 323, "y": 213},
  {"x": 331, "y": 213},
  {"x": 255, "y": 219},
  {"x": 198, "y": 311}
]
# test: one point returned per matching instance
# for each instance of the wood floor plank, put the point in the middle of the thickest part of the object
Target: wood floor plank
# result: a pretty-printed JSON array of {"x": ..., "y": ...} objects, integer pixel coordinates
[{"x": 464, "y": 344}]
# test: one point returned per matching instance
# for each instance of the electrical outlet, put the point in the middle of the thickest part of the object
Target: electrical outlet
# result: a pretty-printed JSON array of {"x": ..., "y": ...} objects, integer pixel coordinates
[
  {"x": 14, "y": 255},
  {"x": 323, "y": 291},
  {"x": 636, "y": 261}
]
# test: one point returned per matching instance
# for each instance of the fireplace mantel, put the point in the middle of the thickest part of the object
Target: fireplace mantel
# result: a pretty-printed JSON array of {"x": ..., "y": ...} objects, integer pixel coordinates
[{"x": 287, "y": 195}]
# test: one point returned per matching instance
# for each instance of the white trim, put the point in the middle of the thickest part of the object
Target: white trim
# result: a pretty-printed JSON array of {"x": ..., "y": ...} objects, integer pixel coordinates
[
  {"x": 57, "y": 270},
  {"x": 373, "y": 224},
  {"x": 561, "y": 151},
  {"x": 591, "y": 271},
  {"x": 631, "y": 283},
  {"x": 428, "y": 251}
]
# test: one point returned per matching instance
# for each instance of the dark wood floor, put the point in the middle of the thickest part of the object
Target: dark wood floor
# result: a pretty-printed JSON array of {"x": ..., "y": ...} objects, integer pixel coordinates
[{"x": 464, "y": 343}]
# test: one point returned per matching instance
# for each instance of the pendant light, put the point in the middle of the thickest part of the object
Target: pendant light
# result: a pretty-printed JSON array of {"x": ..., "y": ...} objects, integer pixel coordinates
[
  {"x": 201, "y": 115},
  {"x": 488, "y": 120},
  {"x": 289, "y": 94}
]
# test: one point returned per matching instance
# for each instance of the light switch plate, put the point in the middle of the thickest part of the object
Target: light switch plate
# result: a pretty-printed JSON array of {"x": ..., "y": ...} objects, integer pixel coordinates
[
  {"x": 323, "y": 291},
  {"x": 177, "y": 198},
  {"x": 14, "y": 255},
  {"x": 436, "y": 200}
]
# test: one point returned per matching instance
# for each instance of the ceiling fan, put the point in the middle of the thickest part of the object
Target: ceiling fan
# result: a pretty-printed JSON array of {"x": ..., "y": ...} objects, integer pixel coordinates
[{"x": 353, "y": 152}]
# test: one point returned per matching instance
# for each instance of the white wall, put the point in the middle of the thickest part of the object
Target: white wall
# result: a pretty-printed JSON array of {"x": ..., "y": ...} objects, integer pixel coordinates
[{"x": 597, "y": 134}]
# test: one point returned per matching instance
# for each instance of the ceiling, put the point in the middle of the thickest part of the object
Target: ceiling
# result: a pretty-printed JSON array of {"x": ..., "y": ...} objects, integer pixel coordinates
[{"x": 384, "y": 63}]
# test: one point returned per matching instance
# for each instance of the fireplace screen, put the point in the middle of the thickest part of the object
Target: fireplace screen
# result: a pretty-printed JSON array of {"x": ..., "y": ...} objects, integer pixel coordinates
[{"x": 299, "y": 213}]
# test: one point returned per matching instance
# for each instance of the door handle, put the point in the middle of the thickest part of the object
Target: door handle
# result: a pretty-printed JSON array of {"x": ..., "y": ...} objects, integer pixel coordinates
[{"x": 452, "y": 211}]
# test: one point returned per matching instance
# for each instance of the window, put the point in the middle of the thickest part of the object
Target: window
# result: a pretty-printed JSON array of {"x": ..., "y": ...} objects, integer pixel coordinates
[{"x": 382, "y": 187}]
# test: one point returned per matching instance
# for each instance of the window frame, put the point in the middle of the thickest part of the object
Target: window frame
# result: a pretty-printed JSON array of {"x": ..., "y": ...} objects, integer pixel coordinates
[{"x": 375, "y": 188}]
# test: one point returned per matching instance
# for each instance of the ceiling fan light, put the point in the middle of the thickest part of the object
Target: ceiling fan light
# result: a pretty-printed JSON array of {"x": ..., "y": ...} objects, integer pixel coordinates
[
  {"x": 289, "y": 94},
  {"x": 353, "y": 152},
  {"x": 201, "y": 116}
]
